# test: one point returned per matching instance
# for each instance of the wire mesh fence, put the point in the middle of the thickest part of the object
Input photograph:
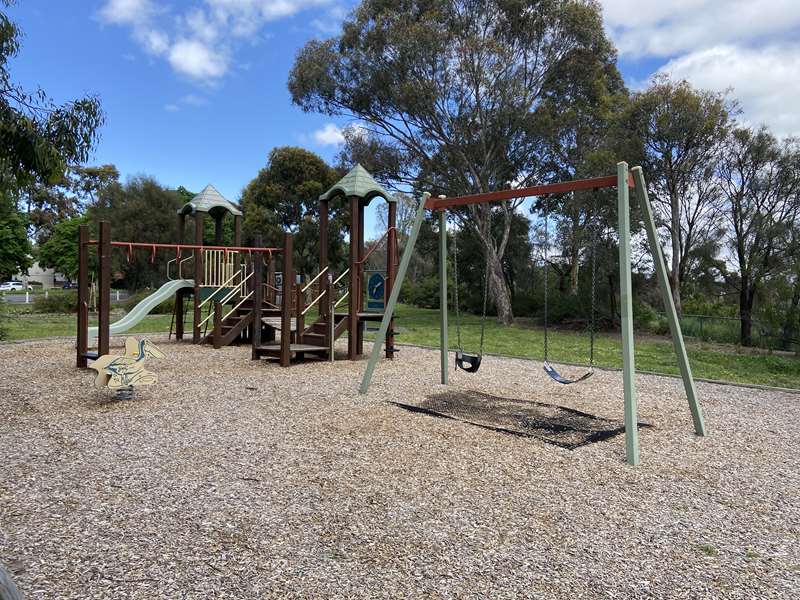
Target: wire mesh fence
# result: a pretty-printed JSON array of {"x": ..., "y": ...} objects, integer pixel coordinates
[{"x": 727, "y": 330}]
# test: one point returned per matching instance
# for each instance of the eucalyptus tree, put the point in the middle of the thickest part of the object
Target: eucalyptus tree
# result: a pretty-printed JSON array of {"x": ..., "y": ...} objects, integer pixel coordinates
[
  {"x": 445, "y": 92},
  {"x": 682, "y": 131},
  {"x": 760, "y": 181},
  {"x": 283, "y": 196},
  {"x": 579, "y": 124},
  {"x": 38, "y": 139}
]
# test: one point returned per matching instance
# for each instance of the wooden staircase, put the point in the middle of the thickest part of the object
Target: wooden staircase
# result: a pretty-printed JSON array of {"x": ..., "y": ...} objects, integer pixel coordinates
[{"x": 313, "y": 340}]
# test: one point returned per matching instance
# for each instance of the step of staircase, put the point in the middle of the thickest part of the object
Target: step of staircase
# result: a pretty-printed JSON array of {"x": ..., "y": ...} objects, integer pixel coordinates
[{"x": 274, "y": 350}]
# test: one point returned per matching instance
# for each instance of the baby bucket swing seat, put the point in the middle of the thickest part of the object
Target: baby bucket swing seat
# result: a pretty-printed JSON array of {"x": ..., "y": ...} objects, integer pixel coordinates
[{"x": 469, "y": 363}]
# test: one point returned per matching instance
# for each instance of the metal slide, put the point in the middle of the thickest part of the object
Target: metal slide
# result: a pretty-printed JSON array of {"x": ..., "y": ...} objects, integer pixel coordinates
[{"x": 138, "y": 312}]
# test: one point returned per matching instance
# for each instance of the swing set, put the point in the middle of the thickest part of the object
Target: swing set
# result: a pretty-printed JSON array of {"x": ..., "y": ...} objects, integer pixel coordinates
[
  {"x": 470, "y": 363},
  {"x": 623, "y": 181}
]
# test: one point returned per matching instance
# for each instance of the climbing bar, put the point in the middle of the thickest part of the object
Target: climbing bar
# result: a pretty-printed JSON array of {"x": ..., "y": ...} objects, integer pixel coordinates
[
  {"x": 130, "y": 245},
  {"x": 537, "y": 190}
]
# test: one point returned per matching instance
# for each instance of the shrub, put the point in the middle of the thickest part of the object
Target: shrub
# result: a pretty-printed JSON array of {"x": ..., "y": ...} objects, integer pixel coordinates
[
  {"x": 56, "y": 302},
  {"x": 645, "y": 317},
  {"x": 423, "y": 293}
]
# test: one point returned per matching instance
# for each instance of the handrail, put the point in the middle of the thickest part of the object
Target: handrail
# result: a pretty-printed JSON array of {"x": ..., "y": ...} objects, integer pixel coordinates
[
  {"x": 235, "y": 290},
  {"x": 242, "y": 301},
  {"x": 374, "y": 246},
  {"x": 340, "y": 300},
  {"x": 169, "y": 262},
  {"x": 231, "y": 278},
  {"x": 313, "y": 302},
  {"x": 313, "y": 281},
  {"x": 338, "y": 279}
]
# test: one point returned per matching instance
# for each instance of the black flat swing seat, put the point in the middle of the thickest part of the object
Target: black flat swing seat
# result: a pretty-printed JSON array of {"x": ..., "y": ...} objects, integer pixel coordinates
[
  {"x": 557, "y": 377},
  {"x": 468, "y": 362}
]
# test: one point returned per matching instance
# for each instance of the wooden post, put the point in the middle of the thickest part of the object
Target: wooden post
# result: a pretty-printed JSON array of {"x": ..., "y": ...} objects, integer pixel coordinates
[
  {"x": 380, "y": 338},
  {"x": 391, "y": 269},
  {"x": 271, "y": 292},
  {"x": 257, "y": 265},
  {"x": 626, "y": 314},
  {"x": 217, "y": 325},
  {"x": 198, "y": 276},
  {"x": 352, "y": 320},
  {"x": 323, "y": 250},
  {"x": 104, "y": 288},
  {"x": 329, "y": 299},
  {"x": 443, "y": 341},
  {"x": 82, "y": 338},
  {"x": 286, "y": 300},
  {"x": 669, "y": 302},
  {"x": 361, "y": 253},
  {"x": 179, "y": 296},
  {"x": 179, "y": 312}
]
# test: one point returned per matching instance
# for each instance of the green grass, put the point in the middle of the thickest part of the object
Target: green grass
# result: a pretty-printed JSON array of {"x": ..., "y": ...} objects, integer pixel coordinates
[
  {"x": 421, "y": 327},
  {"x": 725, "y": 363}
]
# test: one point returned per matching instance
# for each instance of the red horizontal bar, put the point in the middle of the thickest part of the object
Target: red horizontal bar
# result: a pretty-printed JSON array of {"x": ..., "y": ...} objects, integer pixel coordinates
[
  {"x": 537, "y": 190},
  {"x": 187, "y": 247}
]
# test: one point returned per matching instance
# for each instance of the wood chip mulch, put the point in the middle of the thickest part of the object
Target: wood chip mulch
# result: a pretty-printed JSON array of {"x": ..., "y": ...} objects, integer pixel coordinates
[{"x": 240, "y": 479}]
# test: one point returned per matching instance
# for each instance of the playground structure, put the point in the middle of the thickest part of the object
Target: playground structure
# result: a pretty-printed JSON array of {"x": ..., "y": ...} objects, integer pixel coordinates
[
  {"x": 238, "y": 292},
  {"x": 623, "y": 181}
]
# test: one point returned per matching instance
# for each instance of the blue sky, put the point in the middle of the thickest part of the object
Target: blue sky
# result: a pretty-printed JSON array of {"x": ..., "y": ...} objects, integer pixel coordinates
[{"x": 195, "y": 90}]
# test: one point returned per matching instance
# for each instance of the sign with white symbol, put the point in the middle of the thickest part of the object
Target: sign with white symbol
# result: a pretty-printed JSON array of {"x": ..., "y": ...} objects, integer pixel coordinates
[{"x": 376, "y": 291}]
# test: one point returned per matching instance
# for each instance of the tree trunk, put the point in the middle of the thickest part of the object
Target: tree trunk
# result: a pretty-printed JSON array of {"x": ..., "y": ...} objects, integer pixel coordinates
[
  {"x": 574, "y": 255},
  {"x": 791, "y": 322},
  {"x": 499, "y": 290},
  {"x": 746, "y": 297},
  {"x": 574, "y": 269}
]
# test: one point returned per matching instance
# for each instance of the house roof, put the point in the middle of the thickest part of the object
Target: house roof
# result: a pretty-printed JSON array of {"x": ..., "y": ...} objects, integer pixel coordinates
[
  {"x": 210, "y": 201},
  {"x": 358, "y": 182}
]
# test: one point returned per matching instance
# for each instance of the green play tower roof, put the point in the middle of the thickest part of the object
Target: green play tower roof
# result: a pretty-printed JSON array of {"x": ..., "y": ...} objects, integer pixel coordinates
[
  {"x": 358, "y": 182},
  {"x": 210, "y": 201}
]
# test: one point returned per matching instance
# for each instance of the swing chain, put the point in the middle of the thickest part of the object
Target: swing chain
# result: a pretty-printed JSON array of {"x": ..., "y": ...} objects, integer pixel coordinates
[
  {"x": 546, "y": 268},
  {"x": 592, "y": 322},
  {"x": 485, "y": 300},
  {"x": 455, "y": 292}
]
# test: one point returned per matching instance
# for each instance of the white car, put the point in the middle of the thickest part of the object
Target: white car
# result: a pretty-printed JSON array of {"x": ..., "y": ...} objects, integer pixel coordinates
[{"x": 12, "y": 286}]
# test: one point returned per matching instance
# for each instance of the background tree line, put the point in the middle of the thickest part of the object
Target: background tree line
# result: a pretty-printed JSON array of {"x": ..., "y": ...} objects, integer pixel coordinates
[{"x": 456, "y": 97}]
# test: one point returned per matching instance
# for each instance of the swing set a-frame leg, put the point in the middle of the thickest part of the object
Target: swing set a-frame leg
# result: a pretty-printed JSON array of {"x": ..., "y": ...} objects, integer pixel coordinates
[
  {"x": 380, "y": 338},
  {"x": 626, "y": 316},
  {"x": 669, "y": 303}
]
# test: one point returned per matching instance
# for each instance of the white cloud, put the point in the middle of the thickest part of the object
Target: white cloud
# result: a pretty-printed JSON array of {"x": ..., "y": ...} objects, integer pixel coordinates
[
  {"x": 197, "y": 60},
  {"x": 200, "y": 41},
  {"x": 155, "y": 42},
  {"x": 668, "y": 28},
  {"x": 123, "y": 12},
  {"x": 329, "y": 135},
  {"x": 748, "y": 46},
  {"x": 765, "y": 80},
  {"x": 171, "y": 107}
]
